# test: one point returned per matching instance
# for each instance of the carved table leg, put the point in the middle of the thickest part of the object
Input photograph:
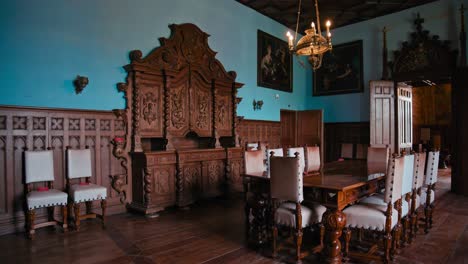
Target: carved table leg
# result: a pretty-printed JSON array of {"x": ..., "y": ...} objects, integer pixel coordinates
[
  {"x": 334, "y": 221},
  {"x": 259, "y": 222}
]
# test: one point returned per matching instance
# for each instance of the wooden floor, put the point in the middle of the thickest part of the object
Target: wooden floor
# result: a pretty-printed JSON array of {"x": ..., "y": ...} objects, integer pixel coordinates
[{"x": 212, "y": 232}]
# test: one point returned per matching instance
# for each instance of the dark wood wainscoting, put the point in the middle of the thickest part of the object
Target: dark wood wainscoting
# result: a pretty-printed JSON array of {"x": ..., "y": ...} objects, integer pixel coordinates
[
  {"x": 258, "y": 130},
  {"x": 338, "y": 133},
  {"x": 55, "y": 129}
]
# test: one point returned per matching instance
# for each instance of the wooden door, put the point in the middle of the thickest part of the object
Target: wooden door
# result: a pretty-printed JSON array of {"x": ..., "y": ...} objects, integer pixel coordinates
[
  {"x": 382, "y": 113},
  {"x": 459, "y": 155},
  {"x": 288, "y": 128},
  {"x": 310, "y": 129},
  {"x": 404, "y": 117}
]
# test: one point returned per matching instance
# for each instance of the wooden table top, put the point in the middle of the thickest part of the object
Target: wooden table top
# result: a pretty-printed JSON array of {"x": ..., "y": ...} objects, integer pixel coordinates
[{"x": 337, "y": 175}]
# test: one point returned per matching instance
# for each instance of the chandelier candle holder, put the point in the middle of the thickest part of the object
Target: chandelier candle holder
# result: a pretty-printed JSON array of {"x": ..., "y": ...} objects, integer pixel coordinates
[{"x": 313, "y": 44}]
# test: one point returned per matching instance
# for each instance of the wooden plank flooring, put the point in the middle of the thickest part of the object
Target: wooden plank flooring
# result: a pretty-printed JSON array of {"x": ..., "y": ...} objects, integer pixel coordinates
[{"x": 213, "y": 232}]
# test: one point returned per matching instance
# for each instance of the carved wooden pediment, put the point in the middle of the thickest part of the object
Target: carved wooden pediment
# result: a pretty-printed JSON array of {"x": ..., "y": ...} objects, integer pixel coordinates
[
  {"x": 423, "y": 57},
  {"x": 187, "y": 46}
]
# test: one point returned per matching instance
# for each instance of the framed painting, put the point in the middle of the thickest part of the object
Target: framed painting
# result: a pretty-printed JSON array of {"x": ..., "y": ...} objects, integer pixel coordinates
[
  {"x": 274, "y": 63},
  {"x": 341, "y": 71}
]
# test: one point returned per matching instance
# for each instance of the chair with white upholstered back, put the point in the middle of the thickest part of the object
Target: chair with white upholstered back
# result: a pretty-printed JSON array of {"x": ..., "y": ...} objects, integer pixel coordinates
[
  {"x": 254, "y": 163},
  {"x": 312, "y": 158},
  {"x": 286, "y": 190},
  {"x": 381, "y": 217},
  {"x": 347, "y": 150},
  {"x": 427, "y": 195},
  {"x": 377, "y": 160},
  {"x": 79, "y": 166},
  {"x": 419, "y": 163},
  {"x": 39, "y": 167},
  {"x": 291, "y": 153},
  {"x": 277, "y": 152}
]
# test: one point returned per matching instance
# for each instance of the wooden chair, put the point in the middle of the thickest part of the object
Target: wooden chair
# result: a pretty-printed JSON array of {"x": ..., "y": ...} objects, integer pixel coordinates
[
  {"x": 361, "y": 151},
  {"x": 78, "y": 167},
  {"x": 291, "y": 153},
  {"x": 39, "y": 167},
  {"x": 377, "y": 160},
  {"x": 347, "y": 150},
  {"x": 419, "y": 163},
  {"x": 286, "y": 191},
  {"x": 427, "y": 195},
  {"x": 381, "y": 218},
  {"x": 313, "y": 163},
  {"x": 277, "y": 152},
  {"x": 253, "y": 162}
]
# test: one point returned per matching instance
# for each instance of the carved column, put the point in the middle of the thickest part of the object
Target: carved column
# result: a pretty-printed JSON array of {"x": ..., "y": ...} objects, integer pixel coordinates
[
  {"x": 167, "y": 114},
  {"x": 148, "y": 185},
  {"x": 215, "y": 115}
]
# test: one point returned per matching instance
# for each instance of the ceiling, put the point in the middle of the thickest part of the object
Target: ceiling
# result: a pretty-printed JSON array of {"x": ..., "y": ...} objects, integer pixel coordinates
[{"x": 340, "y": 12}]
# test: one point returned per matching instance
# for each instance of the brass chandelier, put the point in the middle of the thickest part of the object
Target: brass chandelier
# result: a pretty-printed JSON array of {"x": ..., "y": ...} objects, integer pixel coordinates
[{"x": 313, "y": 44}]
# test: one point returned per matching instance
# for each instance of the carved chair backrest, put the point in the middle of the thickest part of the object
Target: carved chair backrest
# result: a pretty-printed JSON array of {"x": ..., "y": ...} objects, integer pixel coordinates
[
  {"x": 313, "y": 163},
  {"x": 432, "y": 167},
  {"x": 361, "y": 151},
  {"x": 347, "y": 150},
  {"x": 252, "y": 146},
  {"x": 291, "y": 153},
  {"x": 278, "y": 152},
  {"x": 377, "y": 160},
  {"x": 408, "y": 174},
  {"x": 286, "y": 179},
  {"x": 253, "y": 162},
  {"x": 394, "y": 179},
  {"x": 419, "y": 163},
  {"x": 79, "y": 163},
  {"x": 39, "y": 166}
]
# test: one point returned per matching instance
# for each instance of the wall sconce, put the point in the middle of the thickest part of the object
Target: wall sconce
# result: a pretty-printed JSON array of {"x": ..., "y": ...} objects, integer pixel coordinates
[
  {"x": 80, "y": 83},
  {"x": 257, "y": 105}
]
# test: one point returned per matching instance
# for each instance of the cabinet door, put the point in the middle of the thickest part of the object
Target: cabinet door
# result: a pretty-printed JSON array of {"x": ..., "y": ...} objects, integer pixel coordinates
[
  {"x": 382, "y": 124},
  {"x": 190, "y": 187},
  {"x": 164, "y": 192},
  {"x": 213, "y": 177},
  {"x": 201, "y": 107}
]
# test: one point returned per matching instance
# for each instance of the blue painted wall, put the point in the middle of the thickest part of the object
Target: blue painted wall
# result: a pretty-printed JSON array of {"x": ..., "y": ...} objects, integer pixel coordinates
[
  {"x": 45, "y": 44},
  {"x": 441, "y": 18}
]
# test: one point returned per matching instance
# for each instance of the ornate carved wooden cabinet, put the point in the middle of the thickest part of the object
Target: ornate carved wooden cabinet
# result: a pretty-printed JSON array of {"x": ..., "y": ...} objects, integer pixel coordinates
[{"x": 182, "y": 106}]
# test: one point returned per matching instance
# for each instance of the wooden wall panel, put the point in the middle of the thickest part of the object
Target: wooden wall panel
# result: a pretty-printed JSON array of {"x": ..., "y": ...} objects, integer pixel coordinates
[
  {"x": 338, "y": 133},
  {"x": 258, "y": 130},
  {"x": 39, "y": 129}
]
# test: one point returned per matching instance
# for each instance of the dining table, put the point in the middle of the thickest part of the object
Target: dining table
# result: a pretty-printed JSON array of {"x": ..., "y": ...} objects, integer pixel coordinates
[{"x": 337, "y": 185}]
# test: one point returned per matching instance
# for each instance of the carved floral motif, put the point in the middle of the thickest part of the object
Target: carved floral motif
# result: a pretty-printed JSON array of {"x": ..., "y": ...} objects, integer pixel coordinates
[
  {"x": 177, "y": 114},
  {"x": 202, "y": 120},
  {"x": 149, "y": 107}
]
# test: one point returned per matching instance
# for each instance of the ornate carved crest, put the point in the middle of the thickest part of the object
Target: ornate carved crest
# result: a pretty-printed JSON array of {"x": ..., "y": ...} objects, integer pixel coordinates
[{"x": 423, "y": 57}]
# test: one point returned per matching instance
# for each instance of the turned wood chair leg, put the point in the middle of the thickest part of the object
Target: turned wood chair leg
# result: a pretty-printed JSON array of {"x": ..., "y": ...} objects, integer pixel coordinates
[
  {"x": 431, "y": 212},
  {"x": 413, "y": 223},
  {"x": 322, "y": 234},
  {"x": 396, "y": 241},
  {"x": 76, "y": 206},
  {"x": 426, "y": 218},
  {"x": 65, "y": 218},
  {"x": 406, "y": 230},
  {"x": 31, "y": 214},
  {"x": 347, "y": 233},
  {"x": 359, "y": 235},
  {"x": 275, "y": 237},
  {"x": 298, "y": 244},
  {"x": 387, "y": 246},
  {"x": 103, "y": 207}
]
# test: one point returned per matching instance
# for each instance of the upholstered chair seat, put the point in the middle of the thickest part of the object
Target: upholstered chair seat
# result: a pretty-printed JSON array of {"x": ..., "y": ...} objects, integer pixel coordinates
[
  {"x": 52, "y": 197},
  {"x": 285, "y": 214},
  {"x": 378, "y": 199},
  {"x": 87, "y": 192},
  {"x": 369, "y": 216}
]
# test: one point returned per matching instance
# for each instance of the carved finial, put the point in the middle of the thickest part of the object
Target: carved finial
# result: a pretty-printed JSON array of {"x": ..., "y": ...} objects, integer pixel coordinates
[{"x": 418, "y": 22}]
